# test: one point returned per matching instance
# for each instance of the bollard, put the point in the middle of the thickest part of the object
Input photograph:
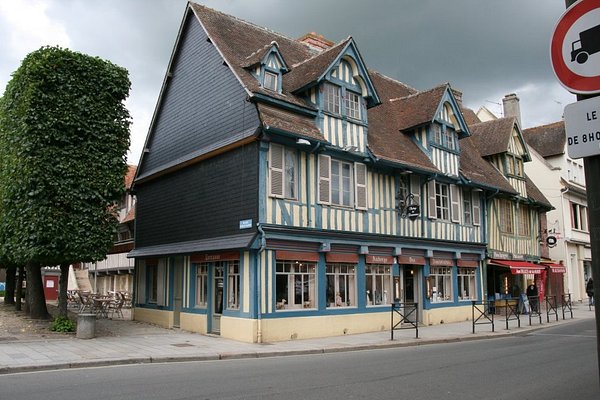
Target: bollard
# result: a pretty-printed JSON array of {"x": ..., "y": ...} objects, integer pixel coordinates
[{"x": 86, "y": 326}]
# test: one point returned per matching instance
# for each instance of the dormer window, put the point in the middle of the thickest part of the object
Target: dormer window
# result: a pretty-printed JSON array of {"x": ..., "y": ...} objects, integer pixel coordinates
[
  {"x": 352, "y": 105},
  {"x": 270, "y": 81},
  {"x": 331, "y": 98},
  {"x": 444, "y": 136}
]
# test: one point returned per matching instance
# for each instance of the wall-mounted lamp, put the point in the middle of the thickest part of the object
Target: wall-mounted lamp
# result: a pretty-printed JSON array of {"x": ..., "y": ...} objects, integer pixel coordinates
[
  {"x": 407, "y": 206},
  {"x": 303, "y": 142}
]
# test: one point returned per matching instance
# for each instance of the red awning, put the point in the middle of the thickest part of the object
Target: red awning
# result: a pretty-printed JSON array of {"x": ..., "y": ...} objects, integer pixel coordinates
[
  {"x": 556, "y": 268},
  {"x": 519, "y": 267}
]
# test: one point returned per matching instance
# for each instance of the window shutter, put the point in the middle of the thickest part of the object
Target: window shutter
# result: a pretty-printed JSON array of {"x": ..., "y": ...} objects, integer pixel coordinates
[
  {"x": 141, "y": 282},
  {"x": 431, "y": 194},
  {"x": 324, "y": 194},
  {"x": 360, "y": 180},
  {"x": 415, "y": 189},
  {"x": 455, "y": 203},
  {"x": 276, "y": 170},
  {"x": 160, "y": 283},
  {"x": 476, "y": 209}
]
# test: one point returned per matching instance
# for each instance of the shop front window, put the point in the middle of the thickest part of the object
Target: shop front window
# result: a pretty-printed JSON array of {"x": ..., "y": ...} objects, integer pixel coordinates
[
  {"x": 295, "y": 285},
  {"x": 341, "y": 285},
  {"x": 441, "y": 284},
  {"x": 201, "y": 284},
  {"x": 379, "y": 285},
  {"x": 233, "y": 285},
  {"x": 466, "y": 284}
]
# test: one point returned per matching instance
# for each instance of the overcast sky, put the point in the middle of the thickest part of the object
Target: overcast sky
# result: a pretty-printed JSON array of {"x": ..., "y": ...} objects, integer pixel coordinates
[{"x": 485, "y": 48}]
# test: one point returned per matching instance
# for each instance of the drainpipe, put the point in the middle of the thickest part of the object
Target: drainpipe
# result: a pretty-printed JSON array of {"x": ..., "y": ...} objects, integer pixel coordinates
[{"x": 263, "y": 245}]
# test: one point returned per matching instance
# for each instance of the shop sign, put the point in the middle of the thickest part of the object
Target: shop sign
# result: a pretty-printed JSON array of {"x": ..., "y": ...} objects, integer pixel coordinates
[
  {"x": 411, "y": 260},
  {"x": 212, "y": 257},
  {"x": 379, "y": 259},
  {"x": 500, "y": 255},
  {"x": 441, "y": 262}
]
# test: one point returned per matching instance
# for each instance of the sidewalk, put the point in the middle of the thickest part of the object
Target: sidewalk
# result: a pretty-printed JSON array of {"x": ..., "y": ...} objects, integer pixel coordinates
[{"x": 135, "y": 342}]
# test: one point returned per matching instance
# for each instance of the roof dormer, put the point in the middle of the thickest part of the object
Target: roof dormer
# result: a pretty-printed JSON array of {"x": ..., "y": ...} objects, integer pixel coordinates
[{"x": 268, "y": 66}]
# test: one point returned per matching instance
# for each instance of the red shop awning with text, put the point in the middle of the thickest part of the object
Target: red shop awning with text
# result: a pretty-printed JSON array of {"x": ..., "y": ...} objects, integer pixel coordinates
[{"x": 519, "y": 267}]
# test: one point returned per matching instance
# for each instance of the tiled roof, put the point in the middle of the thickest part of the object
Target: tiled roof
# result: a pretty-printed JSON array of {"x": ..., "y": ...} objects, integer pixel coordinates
[
  {"x": 469, "y": 116},
  {"x": 310, "y": 70},
  {"x": 417, "y": 109},
  {"x": 259, "y": 54},
  {"x": 130, "y": 175},
  {"x": 388, "y": 88},
  {"x": 479, "y": 171},
  {"x": 238, "y": 40},
  {"x": 548, "y": 140},
  {"x": 535, "y": 194},
  {"x": 492, "y": 137},
  {"x": 288, "y": 121}
]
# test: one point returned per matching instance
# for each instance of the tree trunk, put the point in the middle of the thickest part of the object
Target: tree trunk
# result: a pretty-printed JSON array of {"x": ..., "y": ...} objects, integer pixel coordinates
[
  {"x": 62, "y": 290},
  {"x": 19, "y": 289},
  {"x": 9, "y": 294},
  {"x": 35, "y": 292}
]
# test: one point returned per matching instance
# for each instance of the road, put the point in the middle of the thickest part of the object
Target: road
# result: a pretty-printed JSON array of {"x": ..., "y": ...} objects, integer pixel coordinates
[{"x": 554, "y": 363}]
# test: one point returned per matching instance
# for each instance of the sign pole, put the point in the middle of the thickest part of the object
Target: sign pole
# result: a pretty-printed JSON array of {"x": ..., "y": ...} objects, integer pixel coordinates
[{"x": 592, "y": 172}]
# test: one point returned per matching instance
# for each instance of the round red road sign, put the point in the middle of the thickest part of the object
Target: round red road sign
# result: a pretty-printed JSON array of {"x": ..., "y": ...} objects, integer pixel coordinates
[{"x": 575, "y": 48}]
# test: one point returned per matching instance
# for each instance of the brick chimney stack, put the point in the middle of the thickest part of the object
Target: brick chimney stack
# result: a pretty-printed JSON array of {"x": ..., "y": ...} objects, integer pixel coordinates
[
  {"x": 316, "y": 41},
  {"x": 510, "y": 104}
]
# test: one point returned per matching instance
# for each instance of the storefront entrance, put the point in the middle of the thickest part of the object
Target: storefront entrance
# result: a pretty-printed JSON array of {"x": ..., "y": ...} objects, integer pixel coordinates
[
  {"x": 411, "y": 282},
  {"x": 217, "y": 303}
]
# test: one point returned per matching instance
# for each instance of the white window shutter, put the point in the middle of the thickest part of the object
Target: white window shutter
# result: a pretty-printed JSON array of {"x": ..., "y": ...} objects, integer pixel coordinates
[
  {"x": 455, "y": 203},
  {"x": 431, "y": 189},
  {"x": 324, "y": 189},
  {"x": 141, "y": 282},
  {"x": 415, "y": 189},
  {"x": 160, "y": 283},
  {"x": 360, "y": 186},
  {"x": 276, "y": 153},
  {"x": 476, "y": 209}
]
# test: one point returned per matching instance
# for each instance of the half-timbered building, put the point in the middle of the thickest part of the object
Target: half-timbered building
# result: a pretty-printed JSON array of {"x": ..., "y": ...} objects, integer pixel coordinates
[{"x": 287, "y": 191}]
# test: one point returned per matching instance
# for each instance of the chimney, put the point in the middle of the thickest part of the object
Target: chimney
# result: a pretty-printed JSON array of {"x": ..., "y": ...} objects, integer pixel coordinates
[
  {"x": 510, "y": 104},
  {"x": 316, "y": 41}
]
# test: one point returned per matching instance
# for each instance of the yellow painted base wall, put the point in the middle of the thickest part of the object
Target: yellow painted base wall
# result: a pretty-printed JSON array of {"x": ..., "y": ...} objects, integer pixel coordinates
[
  {"x": 281, "y": 329},
  {"x": 242, "y": 329},
  {"x": 447, "y": 315},
  {"x": 193, "y": 322},
  {"x": 156, "y": 317}
]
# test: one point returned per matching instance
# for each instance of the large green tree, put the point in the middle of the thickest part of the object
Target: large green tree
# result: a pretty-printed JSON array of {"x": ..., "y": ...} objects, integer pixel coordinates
[{"x": 64, "y": 134}]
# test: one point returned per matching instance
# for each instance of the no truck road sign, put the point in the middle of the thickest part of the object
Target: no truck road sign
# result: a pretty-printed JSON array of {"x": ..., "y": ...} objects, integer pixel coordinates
[{"x": 575, "y": 48}]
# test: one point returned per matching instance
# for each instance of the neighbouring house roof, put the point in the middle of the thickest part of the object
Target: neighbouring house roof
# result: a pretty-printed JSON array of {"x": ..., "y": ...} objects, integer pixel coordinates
[
  {"x": 534, "y": 194},
  {"x": 547, "y": 140},
  {"x": 479, "y": 171},
  {"x": 130, "y": 175},
  {"x": 492, "y": 137},
  {"x": 130, "y": 216},
  {"x": 469, "y": 116}
]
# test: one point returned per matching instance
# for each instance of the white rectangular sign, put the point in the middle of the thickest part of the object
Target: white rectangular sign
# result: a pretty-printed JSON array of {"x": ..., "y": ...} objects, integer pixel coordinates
[{"x": 582, "y": 125}]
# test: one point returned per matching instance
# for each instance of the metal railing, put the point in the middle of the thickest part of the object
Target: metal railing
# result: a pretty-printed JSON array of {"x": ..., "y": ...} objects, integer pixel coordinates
[
  {"x": 407, "y": 316},
  {"x": 482, "y": 313},
  {"x": 535, "y": 308},
  {"x": 551, "y": 307},
  {"x": 567, "y": 305}
]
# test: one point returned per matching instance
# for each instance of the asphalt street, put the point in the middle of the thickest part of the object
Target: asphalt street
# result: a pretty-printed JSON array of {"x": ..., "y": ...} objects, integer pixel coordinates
[{"x": 559, "y": 362}]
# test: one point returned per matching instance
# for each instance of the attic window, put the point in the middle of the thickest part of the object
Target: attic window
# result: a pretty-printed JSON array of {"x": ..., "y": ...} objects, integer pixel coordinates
[{"x": 270, "y": 81}]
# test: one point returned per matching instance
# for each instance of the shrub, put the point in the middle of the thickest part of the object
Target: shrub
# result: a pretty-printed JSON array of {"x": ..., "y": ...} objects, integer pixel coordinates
[{"x": 62, "y": 324}]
